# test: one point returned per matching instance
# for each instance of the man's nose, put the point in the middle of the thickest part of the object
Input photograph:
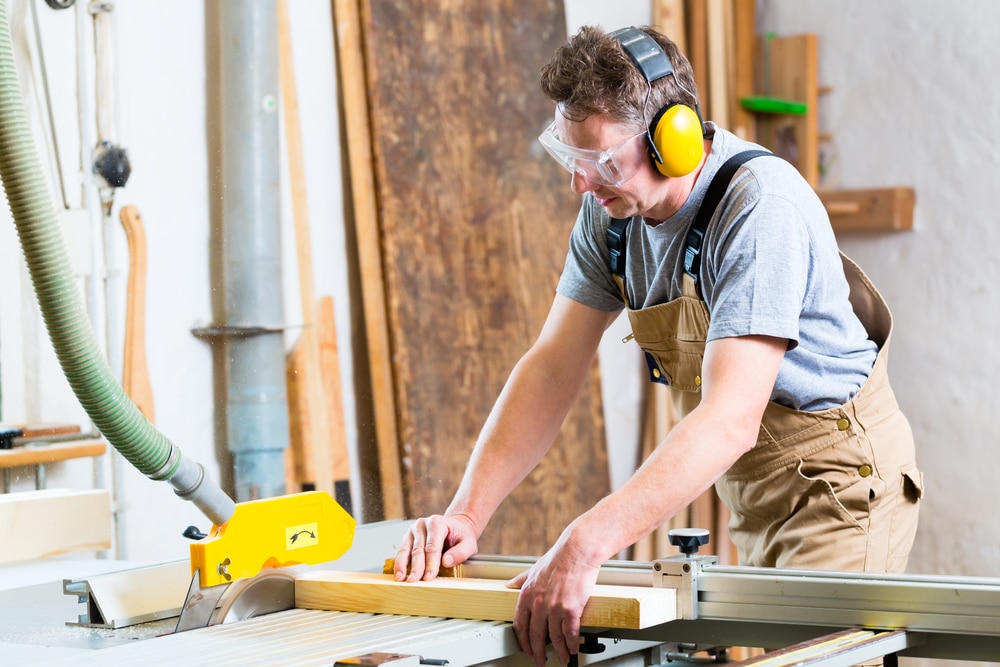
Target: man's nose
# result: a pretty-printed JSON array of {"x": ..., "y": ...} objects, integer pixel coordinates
[{"x": 579, "y": 183}]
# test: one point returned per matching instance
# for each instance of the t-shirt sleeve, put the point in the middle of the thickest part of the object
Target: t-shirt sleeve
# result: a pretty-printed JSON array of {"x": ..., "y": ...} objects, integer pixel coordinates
[
  {"x": 586, "y": 277},
  {"x": 761, "y": 272}
]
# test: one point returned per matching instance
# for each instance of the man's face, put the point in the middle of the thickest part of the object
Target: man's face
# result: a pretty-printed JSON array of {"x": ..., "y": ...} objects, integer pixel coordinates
[{"x": 628, "y": 184}]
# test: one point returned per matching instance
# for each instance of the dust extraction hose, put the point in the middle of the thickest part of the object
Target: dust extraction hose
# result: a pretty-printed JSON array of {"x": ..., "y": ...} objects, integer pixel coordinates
[{"x": 95, "y": 386}]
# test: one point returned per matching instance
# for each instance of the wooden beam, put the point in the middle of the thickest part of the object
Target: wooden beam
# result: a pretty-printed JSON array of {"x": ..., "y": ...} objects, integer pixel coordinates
[
  {"x": 310, "y": 397},
  {"x": 632, "y": 607},
  {"x": 718, "y": 62},
  {"x": 40, "y": 524},
  {"x": 668, "y": 18},
  {"x": 50, "y": 453},
  {"x": 743, "y": 66},
  {"x": 790, "y": 71},
  {"x": 354, "y": 96},
  {"x": 697, "y": 40},
  {"x": 873, "y": 210}
]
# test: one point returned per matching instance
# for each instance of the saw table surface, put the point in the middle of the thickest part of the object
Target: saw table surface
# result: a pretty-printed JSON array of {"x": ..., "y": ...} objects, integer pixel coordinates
[{"x": 34, "y": 612}]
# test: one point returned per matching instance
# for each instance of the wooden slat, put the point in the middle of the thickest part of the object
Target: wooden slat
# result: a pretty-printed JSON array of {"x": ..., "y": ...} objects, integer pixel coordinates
[
  {"x": 718, "y": 62},
  {"x": 30, "y": 455},
  {"x": 329, "y": 360},
  {"x": 742, "y": 65},
  {"x": 42, "y": 430},
  {"x": 790, "y": 73},
  {"x": 632, "y": 607},
  {"x": 697, "y": 39},
  {"x": 668, "y": 17},
  {"x": 40, "y": 524},
  {"x": 874, "y": 210},
  {"x": 310, "y": 384},
  {"x": 360, "y": 174}
]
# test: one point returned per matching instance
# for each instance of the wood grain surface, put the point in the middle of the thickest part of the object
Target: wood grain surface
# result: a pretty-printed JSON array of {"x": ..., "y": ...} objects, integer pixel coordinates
[
  {"x": 632, "y": 607},
  {"x": 474, "y": 220}
]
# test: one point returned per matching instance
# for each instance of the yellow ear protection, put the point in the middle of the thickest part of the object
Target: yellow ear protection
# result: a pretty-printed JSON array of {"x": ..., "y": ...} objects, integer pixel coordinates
[{"x": 676, "y": 133}]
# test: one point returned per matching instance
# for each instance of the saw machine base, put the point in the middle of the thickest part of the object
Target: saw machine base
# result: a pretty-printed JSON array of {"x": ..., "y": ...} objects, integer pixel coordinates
[{"x": 828, "y": 619}]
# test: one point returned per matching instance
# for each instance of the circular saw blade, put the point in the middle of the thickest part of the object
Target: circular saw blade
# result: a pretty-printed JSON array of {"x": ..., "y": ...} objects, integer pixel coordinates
[{"x": 268, "y": 592}]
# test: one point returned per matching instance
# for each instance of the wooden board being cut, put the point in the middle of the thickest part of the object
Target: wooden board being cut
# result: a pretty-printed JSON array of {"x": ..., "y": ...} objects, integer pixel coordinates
[{"x": 632, "y": 607}]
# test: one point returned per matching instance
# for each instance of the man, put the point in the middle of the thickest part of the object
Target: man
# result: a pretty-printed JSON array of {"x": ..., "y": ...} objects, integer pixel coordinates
[{"x": 774, "y": 344}]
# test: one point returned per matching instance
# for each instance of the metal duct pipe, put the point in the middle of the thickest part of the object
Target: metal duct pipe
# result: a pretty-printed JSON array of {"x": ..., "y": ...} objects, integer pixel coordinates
[{"x": 256, "y": 401}]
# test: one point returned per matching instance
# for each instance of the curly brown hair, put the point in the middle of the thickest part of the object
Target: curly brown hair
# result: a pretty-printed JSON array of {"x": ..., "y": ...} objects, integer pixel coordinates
[{"x": 592, "y": 75}]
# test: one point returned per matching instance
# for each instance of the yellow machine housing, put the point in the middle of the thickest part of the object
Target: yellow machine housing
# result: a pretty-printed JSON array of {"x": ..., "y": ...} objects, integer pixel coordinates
[{"x": 303, "y": 528}]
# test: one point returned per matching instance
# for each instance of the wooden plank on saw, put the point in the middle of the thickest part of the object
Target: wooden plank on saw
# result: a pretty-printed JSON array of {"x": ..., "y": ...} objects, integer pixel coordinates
[
  {"x": 632, "y": 607},
  {"x": 474, "y": 221},
  {"x": 40, "y": 524}
]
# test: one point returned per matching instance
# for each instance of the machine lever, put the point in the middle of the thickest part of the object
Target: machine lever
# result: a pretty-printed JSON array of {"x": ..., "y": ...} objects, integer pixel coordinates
[{"x": 194, "y": 533}]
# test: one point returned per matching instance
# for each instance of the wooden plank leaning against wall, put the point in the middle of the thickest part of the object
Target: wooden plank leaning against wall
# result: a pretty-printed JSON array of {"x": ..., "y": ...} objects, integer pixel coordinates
[{"x": 471, "y": 223}]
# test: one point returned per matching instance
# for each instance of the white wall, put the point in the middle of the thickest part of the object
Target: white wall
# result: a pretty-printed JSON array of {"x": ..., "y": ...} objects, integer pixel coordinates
[
  {"x": 913, "y": 103},
  {"x": 162, "y": 101}
]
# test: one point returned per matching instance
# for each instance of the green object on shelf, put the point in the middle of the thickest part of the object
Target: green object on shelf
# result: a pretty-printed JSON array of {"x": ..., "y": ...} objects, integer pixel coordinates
[{"x": 773, "y": 105}]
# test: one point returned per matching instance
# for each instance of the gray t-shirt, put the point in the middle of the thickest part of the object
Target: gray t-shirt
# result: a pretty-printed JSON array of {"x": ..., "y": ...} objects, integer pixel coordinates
[{"x": 769, "y": 266}]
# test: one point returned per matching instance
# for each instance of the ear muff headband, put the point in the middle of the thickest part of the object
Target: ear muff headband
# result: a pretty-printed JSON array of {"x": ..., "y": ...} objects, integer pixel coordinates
[{"x": 676, "y": 133}]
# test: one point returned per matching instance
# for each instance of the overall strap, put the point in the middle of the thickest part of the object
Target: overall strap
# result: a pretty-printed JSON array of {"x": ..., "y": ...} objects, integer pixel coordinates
[
  {"x": 616, "y": 233},
  {"x": 716, "y": 189}
]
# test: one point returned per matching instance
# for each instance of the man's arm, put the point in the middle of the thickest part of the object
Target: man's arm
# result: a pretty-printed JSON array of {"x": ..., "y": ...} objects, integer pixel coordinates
[
  {"x": 520, "y": 429},
  {"x": 738, "y": 376}
]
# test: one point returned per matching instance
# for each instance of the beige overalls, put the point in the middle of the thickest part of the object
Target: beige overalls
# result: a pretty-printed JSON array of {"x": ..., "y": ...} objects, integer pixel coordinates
[{"x": 836, "y": 489}]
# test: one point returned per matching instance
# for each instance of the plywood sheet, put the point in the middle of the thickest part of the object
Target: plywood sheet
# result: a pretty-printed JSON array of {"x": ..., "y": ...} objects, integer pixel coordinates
[
  {"x": 474, "y": 226},
  {"x": 632, "y": 607}
]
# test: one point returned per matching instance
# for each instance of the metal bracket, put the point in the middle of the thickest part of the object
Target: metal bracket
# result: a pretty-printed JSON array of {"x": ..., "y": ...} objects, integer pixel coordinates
[
  {"x": 681, "y": 574},
  {"x": 111, "y": 600}
]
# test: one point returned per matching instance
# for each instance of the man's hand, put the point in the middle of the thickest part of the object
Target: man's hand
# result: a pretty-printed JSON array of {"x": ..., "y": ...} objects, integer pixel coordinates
[
  {"x": 432, "y": 543},
  {"x": 553, "y": 594}
]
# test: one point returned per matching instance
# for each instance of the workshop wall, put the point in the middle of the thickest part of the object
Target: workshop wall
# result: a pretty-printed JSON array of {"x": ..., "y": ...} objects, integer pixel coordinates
[
  {"x": 910, "y": 105},
  {"x": 164, "y": 89}
]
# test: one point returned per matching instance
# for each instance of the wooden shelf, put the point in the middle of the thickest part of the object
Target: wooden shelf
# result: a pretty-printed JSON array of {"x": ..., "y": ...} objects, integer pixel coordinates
[{"x": 872, "y": 210}]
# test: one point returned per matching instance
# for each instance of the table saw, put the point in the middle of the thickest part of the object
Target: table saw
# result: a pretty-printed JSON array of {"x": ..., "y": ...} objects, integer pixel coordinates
[{"x": 807, "y": 617}]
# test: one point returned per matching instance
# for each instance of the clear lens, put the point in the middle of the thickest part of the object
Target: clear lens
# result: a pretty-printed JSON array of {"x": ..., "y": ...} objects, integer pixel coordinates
[{"x": 611, "y": 167}]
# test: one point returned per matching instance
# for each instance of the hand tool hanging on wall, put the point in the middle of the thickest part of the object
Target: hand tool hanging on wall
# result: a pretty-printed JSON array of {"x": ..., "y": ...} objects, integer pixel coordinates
[{"x": 135, "y": 373}]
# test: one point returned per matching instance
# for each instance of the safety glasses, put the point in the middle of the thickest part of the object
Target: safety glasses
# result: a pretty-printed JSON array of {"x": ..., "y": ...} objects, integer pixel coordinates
[{"x": 610, "y": 167}]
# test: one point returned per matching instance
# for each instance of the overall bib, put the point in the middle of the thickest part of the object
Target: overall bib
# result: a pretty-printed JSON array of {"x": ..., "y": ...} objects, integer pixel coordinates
[{"x": 835, "y": 489}]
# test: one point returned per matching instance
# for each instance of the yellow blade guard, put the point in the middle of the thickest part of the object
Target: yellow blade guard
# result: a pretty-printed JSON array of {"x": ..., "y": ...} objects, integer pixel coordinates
[{"x": 302, "y": 528}]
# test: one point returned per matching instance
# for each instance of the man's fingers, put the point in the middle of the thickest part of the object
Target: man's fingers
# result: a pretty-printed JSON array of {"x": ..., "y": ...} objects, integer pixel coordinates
[
  {"x": 571, "y": 637},
  {"x": 538, "y": 634}
]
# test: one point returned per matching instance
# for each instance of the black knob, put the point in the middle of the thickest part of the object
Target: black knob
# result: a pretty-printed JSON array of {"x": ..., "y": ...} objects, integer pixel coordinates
[
  {"x": 192, "y": 533},
  {"x": 591, "y": 644},
  {"x": 688, "y": 539}
]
